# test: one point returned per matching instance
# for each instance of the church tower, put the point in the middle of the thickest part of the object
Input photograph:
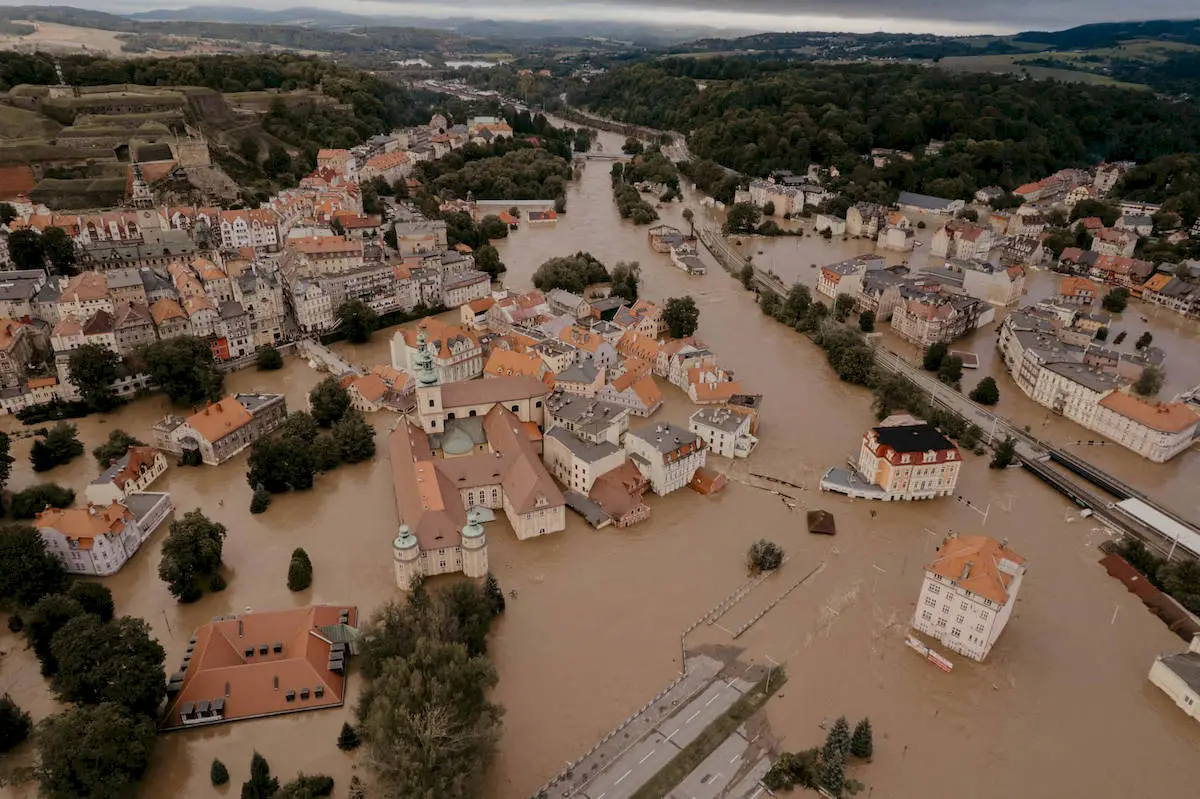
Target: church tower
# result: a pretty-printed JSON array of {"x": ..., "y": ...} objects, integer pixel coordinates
[
  {"x": 141, "y": 196},
  {"x": 429, "y": 393},
  {"x": 474, "y": 546},
  {"x": 406, "y": 557}
]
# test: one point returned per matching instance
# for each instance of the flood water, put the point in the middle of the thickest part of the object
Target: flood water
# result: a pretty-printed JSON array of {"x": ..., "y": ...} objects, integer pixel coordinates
[{"x": 1062, "y": 707}]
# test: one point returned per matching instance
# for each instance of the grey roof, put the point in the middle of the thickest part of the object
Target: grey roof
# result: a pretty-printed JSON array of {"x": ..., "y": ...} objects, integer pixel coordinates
[
  {"x": 232, "y": 309},
  {"x": 586, "y": 451},
  {"x": 1086, "y": 376},
  {"x": 720, "y": 418},
  {"x": 582, "y": 371},
  {"x": 607, "y": 303},
  {"x": 564, "y": 297},
  {"x": 21, "y": 284},
  {"x": 924, "y": 201},
  {"x": 589, "y": 510},
  {"x": 123, "y": 278},
  {"x": 142, "y": 503},
  {"x": 154, "y": 281},
  {"x": 256, "y": 402},
  {"x": 49, "y": 293},
  {"x": 665, "y": 437},
  {"x": 1185, "y": 666},
  {"x": 587, "y": 413},
  {"x": 552, "y": 346}
]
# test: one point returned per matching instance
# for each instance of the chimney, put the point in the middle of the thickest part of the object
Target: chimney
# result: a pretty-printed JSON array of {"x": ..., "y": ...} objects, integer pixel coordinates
[
  {"x": 1004, "y": 543},
  {"x": 966, "y": 571}
]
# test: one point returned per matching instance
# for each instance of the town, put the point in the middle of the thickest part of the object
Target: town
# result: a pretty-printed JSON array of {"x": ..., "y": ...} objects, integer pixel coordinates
[{"x": 403, "y": 423}]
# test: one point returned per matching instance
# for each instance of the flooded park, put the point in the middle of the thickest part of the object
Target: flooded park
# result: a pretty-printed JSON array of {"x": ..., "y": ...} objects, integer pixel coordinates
[{"x": 1061, "y": 707}]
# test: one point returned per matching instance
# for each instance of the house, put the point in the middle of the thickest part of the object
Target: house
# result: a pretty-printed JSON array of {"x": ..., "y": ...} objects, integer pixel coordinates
[
  {"x": 1137, "y": 223},
  {"x": 84, "y": 295},
  {"x": 99, "y": 540},
  {"x": 390, "y": 166},
  {"x": 170, "y": 319},
  {"x": 726, "y": 432},
  {"x": 457, "y": 353},
  {"x": 474, "y": 314},
  {"x": 547, "y": 217},
  {"x": 602, "y": 354},
  {"x": 639, "y": 394},
  {"x": 711, "y": 386},
  {"x": 666, "y": 455},
  {"x": 16, "y": 350},
  {"x": 222, "y": 429},
  {"x": 1028, "y": 221},
  {"x": 897, "y": 238},
  {"x": 1172, "y": 292},
  {"x": 131, "y": 474},
  {"x": 987, "y": 194},
  {"x": 506, "y": 363},
  {"x": 845, "y": 277},
  {"x": 834, "y": 224},
  {"x": 865, "y": 220},
  {"x": 968, "y": 593},
  {"x": 588, "y": 418},
  {"x": 619, "y": 494},
  {"x": 1117, "y": 243},
  {"x": 19, "y": 289},
  {"x": 555, "y": 354},
  {"x": 998, "y": 285},
  {"x": 959, "y": 239},
  {"x": 642, "y": 317},
  {"x": 1178, "y": 676},
  {"x": 263, "y": 663},
  {"x": 924, "y": 203},
  {"x": 1158, "y": 431},
  {"x": 1107, "y": 176},
  {"x": 582, "y": 378},
  {"x": 909, "y": 459},
  {"x": 577, "y": 462},
  {"x": 133, "y": 326},
  {"x": 564, "y": 302}
]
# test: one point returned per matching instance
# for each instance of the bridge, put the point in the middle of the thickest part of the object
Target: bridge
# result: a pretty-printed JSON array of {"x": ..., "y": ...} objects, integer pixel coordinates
[{"x": 733, "y": 262}]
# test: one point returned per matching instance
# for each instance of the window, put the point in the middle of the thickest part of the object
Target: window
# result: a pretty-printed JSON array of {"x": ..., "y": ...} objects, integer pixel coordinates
[
  {"x": 978, "y": 628},
  {"x": 983, "y": 614},
  {"x": 941, "y": 622},
  {"x": 934, "y": 589},
  {"x": 930, "y": 602},
  {"x": 904, "y": 458},
  {"x": 516, "y": 409},
  {"x": 930, "y": 457},
  {"x": 926, "y": 615},
  {"x": 958, "y": 619},
  {"x": 962, "y": 606},
  {"x": 431, "y": 403},
  {"x": 955, "y": 632}
]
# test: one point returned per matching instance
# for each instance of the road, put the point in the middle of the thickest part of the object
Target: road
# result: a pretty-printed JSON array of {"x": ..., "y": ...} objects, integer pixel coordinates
[
  {"x": 716, "y": 772},
  {"x": 629, "y": 772}
]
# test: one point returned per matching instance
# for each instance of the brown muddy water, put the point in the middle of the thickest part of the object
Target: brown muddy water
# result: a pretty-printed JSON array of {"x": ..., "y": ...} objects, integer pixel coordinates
[{"x": 1062, "y": 707}]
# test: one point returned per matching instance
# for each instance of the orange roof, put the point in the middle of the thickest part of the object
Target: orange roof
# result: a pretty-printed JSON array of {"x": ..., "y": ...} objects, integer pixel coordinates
[
  {"x": 1157, "y": 282},
  {"x": 67, "y": 327},
  {"x": 532, "y": 431},
  {"x": 508, "y": 218},
  {"x": 1076, "y": 285},
  {"x": 388, "y": 160},
  {"x": 439, "y": 334},
  {"x": 647, "y": 391},
  {"x": 82, "y": 524},
  {"x": 220, "y": 419},
  {"x": 581, "y": 339},
  {"x": 165, "y": 309},
  {"x": 481, "y": 305},
  {"x": 15, "y": 180},
  {"x": 208, "y": 270},
  {"x": 503, "y": 363},
  {"x": 195, "y": 303},
  {"x": 8, "y": 331},
  {"x": 371, "y": 387},
  {"x": 715, "y": 392},
  {"x": 43, "y": 382},
  {"x": 84, "y": 287},
  {"x": 394, "y": 378},
  {"x": 463, "y": 248},
  {"x": 328, "y": 153},
  {"x": 984, "y": 577},
  {"x": 134, "y": 459},
  {"x": 639, "y": 346},
  {"x": 1164, "y": 417},
  {"x": 322, "y": 245}
]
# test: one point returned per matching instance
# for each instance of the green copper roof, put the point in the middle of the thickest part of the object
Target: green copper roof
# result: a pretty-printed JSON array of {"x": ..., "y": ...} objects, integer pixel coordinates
[
  {"x": 404, "y": 538},
  {"x": 473, "y": 529}
]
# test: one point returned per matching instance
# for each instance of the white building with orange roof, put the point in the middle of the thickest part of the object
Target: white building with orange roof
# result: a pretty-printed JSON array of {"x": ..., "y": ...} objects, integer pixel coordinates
[
  {"x": 222, "y": 429},
  {"x": 474, "y": 314},
  {"x": 1158, "y": 431},
  {"x": 214, "y": 280},
  {"x": 582, "y": 378},
  {"x": 506, "y": 363},
  {"x": 457, "y": 353},
  {"x": 367, "y": 392},
  {"x": 249, "y": 227},
  {"x": 325, "y": 255},
  {"x": 132, "y": 473},
  {"x": 642, "y": 317},
  {"x": 170, "y": 319},
  {"x": 389, "y": 166},
  {"x": 603, "y": 354},
  {"x": 340, "y": 161},
  {"x": 67, "y": 335},
  {"x": 711, "y": 386},
  {"x": 968, "y": 594},
  {"x": 83, "y": 295},
  {"x": 641, "y": 395},
  {"x": 99, "y": 540},
  {"x": 202, "y": 314},
  {"x": 666, "y": 455},
  {"x": 636, "y": 345}
]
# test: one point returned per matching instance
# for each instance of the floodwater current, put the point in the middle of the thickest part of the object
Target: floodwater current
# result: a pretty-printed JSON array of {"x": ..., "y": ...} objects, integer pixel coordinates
[{"x": 1061, "y": 708}]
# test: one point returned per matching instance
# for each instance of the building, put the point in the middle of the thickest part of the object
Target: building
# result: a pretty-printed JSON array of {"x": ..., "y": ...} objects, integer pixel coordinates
[
  {"x": 642, "y": 317},
  {"x": 865, "y": 220},
  {"x": 846, "y": 277},
  {"x": 233, "y": 330},
  {"x": 936, "y": 319},
  {"x": 564, "y": 302},
  {"x": 259, "y": 664},
  {"x": 18, "y": 290},
  {"x": 16, "y": 350},
  {"x": 726, "y": 432},
  {"x": 84, "y": 295},
  {"x": 1178, "y": 676},
  {"x": 577, "y": 462},
  {"x": 257, "y": 228},
  {"x": 998, "y": 285},
  {"x": 666, "y": 455},
  {"x": 133, "y": 326},
  {"x": 591, "y": 419},
  {"x": 1076, "y": 291},
  {"x": 1117, "y": 243},
  {"x": 968, "y": 594},
  {"x": 639, "y": 394},
  {"x": 131, "y": 474},
  {"x": 1158, "y": 431},
  {"x": 506, "y": 363},
  {"x": 959, "y": 239},
  {"x": 909, "y": 459},
  {"x": 582, "y": 378},
  {"x": 457, "y": 353},
  {"x": 619, "y": 495},
  {"x": 99, "y": 540},
  {"x": 589, "y": 345},
  {"x": 222, "y": 429}
]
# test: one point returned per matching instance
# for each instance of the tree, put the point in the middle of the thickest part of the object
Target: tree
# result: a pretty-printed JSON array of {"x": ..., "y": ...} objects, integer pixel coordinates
[
  {"x": 862, "y": 744},
  {"x": 268, "y": 359},
  {"x": 7, "y": 213},
  {"x": 261, "y": 784},
  {"x": 573, "y": 273},
  {"x": 1116, "y": 300},
  {"x": 307, "y": 786},
  {"x": 115, "y": 447},
  {"x": 625, "y": 279},
  {"x": 1150, "y": 382},
  {"x": 768, "y": 208},
  {"x": 986, "y": 392},
  {"x": 59, "y": 249},
  {"x": 1144, "y": 340},
  {"x": 794, "y": 768},
  {"x": 354, "y": 437},
  {"x": 60, "y": 445},
  {"x": 94, "y": 598},
  {"x": 218, "y": 775},
  {"x": 248, "y": 149},
  {"x": 491, "y": 590},
  {"x": 833, "y": 772},
  {"x": 632, "y": 146},
  {"x": 934, "y": 355},
  {"x": 492, "y": 228},
  {"x": 328, "y": 402},
  {"x": 348, "y": 739},
  {"x": 183, "y": 367},
  {"x": 795, "y": 305},
  {"x": 842, "y": 307},
  {"x": 116, "y": 662},
  {"x": 951, "y": 370},
  {"x": 746, "y": 275},
  {"x": 27, "y": 571},
  {"x": 1102, "y": 334},
  {"x": 681, "y": 316},
  {"x": 35, "y": 499},
  {"x": 118, "y": 746},
  {"x": 278, "y": 162},
  {"x": 191, "y": 554},
  {"x": 326, "y": 453},
  {"x": 838, "y": 737},
  {"x": 689, "y": 216},
  {"x": 46, "y": 618},
  {"x": 260, "y": 500},
  {"x": 14, "y": 724},
  {"x": 299, "y": 571},
  {"x": 1006, "y": 452},
  {"x": 742, "y": 218},
  {"x": 299, "y": 424},
  {"x": 6, "y": 460},
  {"x": 358, "y": 320},
  {"x": 764, "y": 556},
  {"x": 25, "y": 249},
  {"x": 866, "y": 321},
  {"x": 281, "y": 464},
  {"x": 487, "y": 259}
]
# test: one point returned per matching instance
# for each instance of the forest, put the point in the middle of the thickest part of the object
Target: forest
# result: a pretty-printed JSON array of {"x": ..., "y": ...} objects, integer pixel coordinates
[{"x": 998, "y": 130}]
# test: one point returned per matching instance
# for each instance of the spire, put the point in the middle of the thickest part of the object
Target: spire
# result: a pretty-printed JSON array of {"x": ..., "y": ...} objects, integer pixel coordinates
[
  {"x": 426, "y": 371},
  {"x": 404, "y": 538},
  {"x": 473, "y": 529},
  {"x": 141, "y": 196}
]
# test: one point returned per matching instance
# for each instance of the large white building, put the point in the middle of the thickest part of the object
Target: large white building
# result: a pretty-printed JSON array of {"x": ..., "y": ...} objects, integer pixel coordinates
[
  {"x": 98, "y": 540},
  {"x": 457, "y": 353},
  {"x": 909, "y": 459},
  {"x": 1178, "y": 676},
  {"x": 222, "y": 429},
  {"x": 575, "y": 462},
  {"x": 726, "y": 432},
  {"x": 968, "y": 593},
  {"x": 666, "y": 455},
  {"x": 131, "y": 474}
]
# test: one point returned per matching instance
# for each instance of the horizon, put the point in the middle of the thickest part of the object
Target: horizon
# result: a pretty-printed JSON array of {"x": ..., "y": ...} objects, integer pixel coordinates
[{"x": 939, "y": 17}]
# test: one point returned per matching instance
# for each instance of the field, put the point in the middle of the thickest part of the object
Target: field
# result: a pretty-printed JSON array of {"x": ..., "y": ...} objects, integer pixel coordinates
[
  {"x": 17, "y": 123},
  {"x": 1012, "y": 64},
  {"x": 53, "y": 37}
]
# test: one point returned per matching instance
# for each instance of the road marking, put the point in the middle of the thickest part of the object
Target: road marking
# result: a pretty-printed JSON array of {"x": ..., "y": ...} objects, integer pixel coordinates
[
  {"x": 601, "y": 796},
  {"x": 647, "y": 757},
  {"x": 734, "y": 759},
  {"x": 623, "y": 776},
  {"x": 672, "y": 735},
  {"x": 714, "y": 699},
  {"x": 689, "y": 721}
]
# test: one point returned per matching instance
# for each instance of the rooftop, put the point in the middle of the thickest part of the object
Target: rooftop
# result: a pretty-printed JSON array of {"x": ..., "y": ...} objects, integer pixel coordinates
[
  {"x": 1164, "y": 417},
  {"x": 921, "y": 437},
  {"x": 666, "y": 437},
  {"x": 586, "y": 451},
  {"x": 483, "y": 392},
  {"x": 979, "y": 564},
  {"x": 720, "y": 418}
]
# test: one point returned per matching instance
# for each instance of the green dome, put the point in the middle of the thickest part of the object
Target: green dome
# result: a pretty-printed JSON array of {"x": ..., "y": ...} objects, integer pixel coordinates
[
  {"x": 404, "y": 538},
  {"x": 473, "y": 529},
  {"x": 457, "y": 442}
]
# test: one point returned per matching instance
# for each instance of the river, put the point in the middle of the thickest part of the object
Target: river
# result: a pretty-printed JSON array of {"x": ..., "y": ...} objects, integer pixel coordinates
[{"x": 1062, "y": 707}]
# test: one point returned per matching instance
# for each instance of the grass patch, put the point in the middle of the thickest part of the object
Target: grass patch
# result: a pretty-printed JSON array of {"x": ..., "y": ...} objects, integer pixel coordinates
[{"x": 713, "y": 736}]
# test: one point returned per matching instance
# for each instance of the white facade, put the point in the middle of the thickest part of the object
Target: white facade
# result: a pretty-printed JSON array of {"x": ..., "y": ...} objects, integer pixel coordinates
[
  {"x": 577, "y": 463},
  {"x": 666, "y": 455},
  {"x": 726, "y": 432},
  {"x": 1178, "y": 676},
  {"x": 99, "y": 540},
  {"x": 133, "y": 474}
]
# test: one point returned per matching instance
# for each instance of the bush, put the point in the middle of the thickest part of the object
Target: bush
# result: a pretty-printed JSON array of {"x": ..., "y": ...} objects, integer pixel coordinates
[
  {"x": 114, "y": 448},
  {"x": 986, "y": 393},
  {"x": 94, "y": 598},
  {"x": 764, "y": 556},
  {"x": 35, "y": 499},
  {"x": 348, "y": 739},
  {"x": 862, "y": 743},
  {"x": 217, "y": 583},
  {"x": 866, "y": 321},
  {"x": 934, "y": 355},
  {"x": 15, "y": 724},
  {"x": 217, "y": 773},
  {"x": 1006, "y": 452},
  {"x": 1116, "y": 300},
  {"x": 299, "y": 571},
  {"x": 268, "y": 359},
  {"x": 58, "y": 446},
  {"x": 260, "y": 500}
]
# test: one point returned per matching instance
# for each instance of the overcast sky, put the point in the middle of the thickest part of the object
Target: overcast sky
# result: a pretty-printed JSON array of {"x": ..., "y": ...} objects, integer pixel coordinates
[{"x": 933, "y": 16}]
